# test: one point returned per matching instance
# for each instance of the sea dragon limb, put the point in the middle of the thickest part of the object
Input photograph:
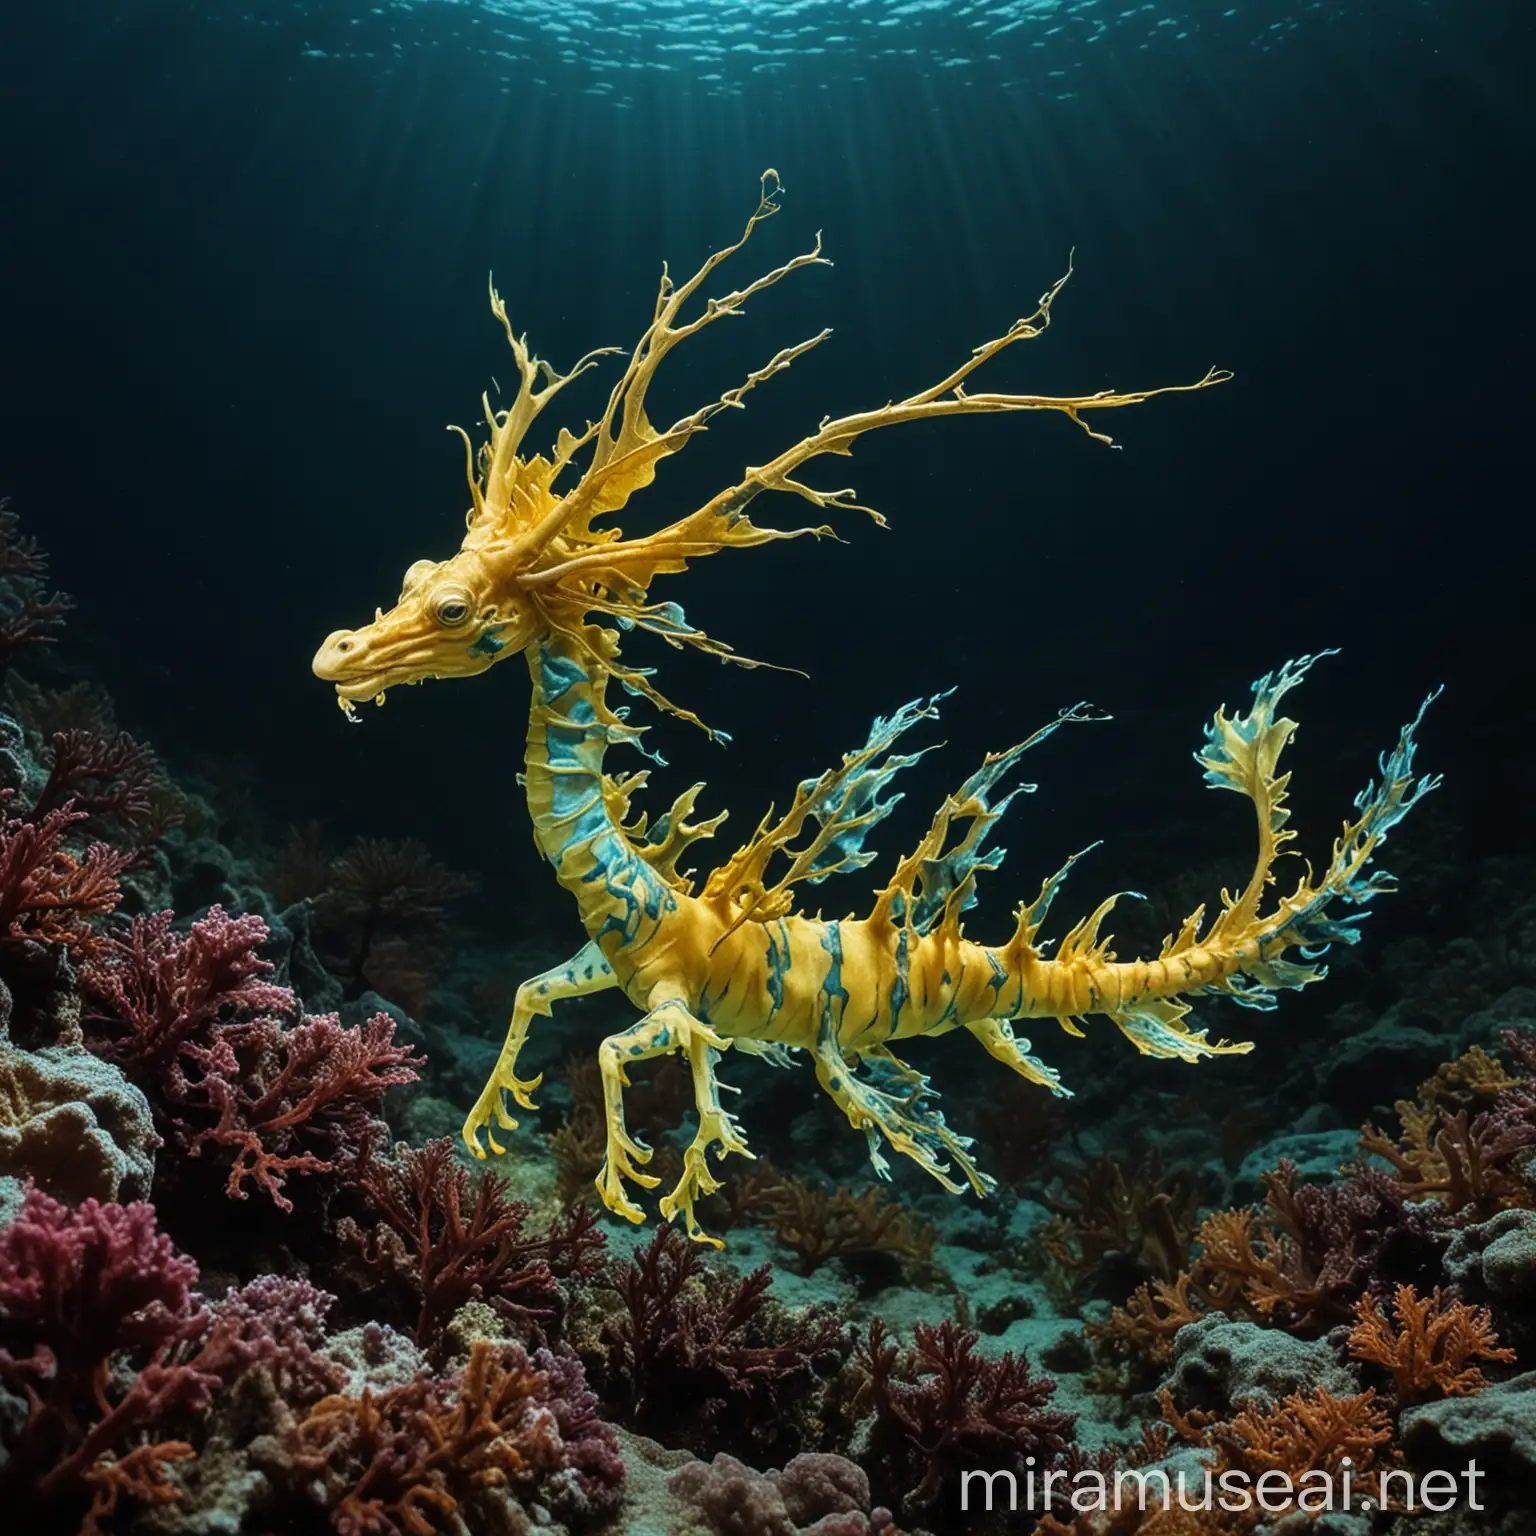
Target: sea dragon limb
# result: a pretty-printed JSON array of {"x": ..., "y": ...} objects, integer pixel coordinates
[{"x": 734, "y": 964}]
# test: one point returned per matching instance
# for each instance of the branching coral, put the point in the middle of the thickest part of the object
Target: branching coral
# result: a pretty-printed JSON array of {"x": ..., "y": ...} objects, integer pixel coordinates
[
  {"x": 215, "y": 1046},
  {"x": 1471, "y": 1160},
  {"x": 1301, "y": 1265},
  {"x": 1305, "y": 1265},
  {"x": 299, "y": 1098},
  {"x": 48, "y": 893},
  {"x": 818, "y": 1224},
  {"x": 101, "y": 775},
  {"x": 1147, "y": 1324},
  {"x": 1313, "y": 1439},
  {"x": 114, "y": 780},
  {"x": 703, "y": 1358},
  {"x": 1321, "y": 1453},
  {"x": 1142, "y": 1224},
  {"x": 155, "y": 992},
  {"x": 76, "y": 1288},
  {"x": 943, "y": 1409},
  {"x": 1428, "y": 1346},
  {"x": 1317, "y": 1451},
  {"x": 104, "y": 1337},
  {"x": 406, "y": 1461},
  {"x": 444, "y": 1244}
]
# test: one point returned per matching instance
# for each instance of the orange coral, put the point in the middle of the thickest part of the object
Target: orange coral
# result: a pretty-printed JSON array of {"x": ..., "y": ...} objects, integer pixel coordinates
[
  {"x": 1306, "y": 1432},
  {"x": 1147, "y": 1323},
  {"x": 393, "y": 1461},
  {"x": 1429, "y": 1350},
  {"x": 1313, "y": 1439},
  {"x": 140, "y": 1474}
]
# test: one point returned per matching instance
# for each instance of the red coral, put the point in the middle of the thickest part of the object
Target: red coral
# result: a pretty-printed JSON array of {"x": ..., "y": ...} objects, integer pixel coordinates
[
  {"x": 141, "y": 1475},
  {"x": 298, "y": 1099},
  {"x": 700, "y": 1357},
  {"x": 445, "y": 1246},
  {"x": 187, "y": 1017},
  {"x": 48, "y": 893},
  {"x": 101, "y": 1330},
  {"x": 109, "y": 777},
  {"x": 945, "y": 1409},
  {"x": 90, "y": 1298}
]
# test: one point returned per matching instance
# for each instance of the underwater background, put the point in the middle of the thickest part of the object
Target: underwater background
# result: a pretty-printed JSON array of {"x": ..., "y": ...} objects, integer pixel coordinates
[{"x": 243, "y": 259}]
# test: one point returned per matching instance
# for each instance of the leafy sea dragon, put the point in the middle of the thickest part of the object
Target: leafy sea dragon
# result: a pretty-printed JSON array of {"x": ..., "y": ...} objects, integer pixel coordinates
[{"x": 734, "y": 963}]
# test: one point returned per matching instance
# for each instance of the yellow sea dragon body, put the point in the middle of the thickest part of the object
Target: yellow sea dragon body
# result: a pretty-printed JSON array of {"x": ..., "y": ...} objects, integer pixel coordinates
[{"x": 733, "y": 964}]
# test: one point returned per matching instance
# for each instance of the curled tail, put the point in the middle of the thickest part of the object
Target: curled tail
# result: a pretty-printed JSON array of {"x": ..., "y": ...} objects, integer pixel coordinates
[{"x": 1245, "y": 951}]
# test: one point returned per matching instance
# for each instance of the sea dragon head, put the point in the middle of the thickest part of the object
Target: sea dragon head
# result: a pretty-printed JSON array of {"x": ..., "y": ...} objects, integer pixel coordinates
[
  {"x": 532, "y": 562},
  {"x": 453, "y": 618},
  {"x": 535, "y": 562}
]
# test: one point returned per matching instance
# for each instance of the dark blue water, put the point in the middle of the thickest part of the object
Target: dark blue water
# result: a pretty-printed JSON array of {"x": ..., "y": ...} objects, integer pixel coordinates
[{"x": 243, "y": 268}]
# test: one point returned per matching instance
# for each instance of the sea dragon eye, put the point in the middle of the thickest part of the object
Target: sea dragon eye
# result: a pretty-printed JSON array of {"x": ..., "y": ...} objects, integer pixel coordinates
[{"x": 451, "y": 610}]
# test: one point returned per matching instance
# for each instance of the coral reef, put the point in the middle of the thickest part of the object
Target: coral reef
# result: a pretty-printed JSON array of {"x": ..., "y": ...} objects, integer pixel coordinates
[
  {"x": 942, "y": 1409},
  {"x": 444, "y": 1246},
  {"x": 229, "y": 1057},
  {"x": 92, "y": 1294},
  {"x": 702, "y": 1358},
  {"x": 505, "y": 1429}
]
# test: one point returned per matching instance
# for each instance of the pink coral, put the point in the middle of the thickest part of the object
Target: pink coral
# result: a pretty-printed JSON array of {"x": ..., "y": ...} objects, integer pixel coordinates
[
  {"x": 91, "y": 1298},
  {"x": 194, "y": 1022},
  {"x": 279, "y": 1323},
  {"x": 48, "y": 893},
  {"x": 300, "y": 1098},
  {"x": 118, "y": 1357},
  {"x": 157, "y": 989}
]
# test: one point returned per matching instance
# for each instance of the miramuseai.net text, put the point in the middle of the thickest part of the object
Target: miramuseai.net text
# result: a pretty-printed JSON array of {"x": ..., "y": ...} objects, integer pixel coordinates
[{"x": 1275, "y": 1492}]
